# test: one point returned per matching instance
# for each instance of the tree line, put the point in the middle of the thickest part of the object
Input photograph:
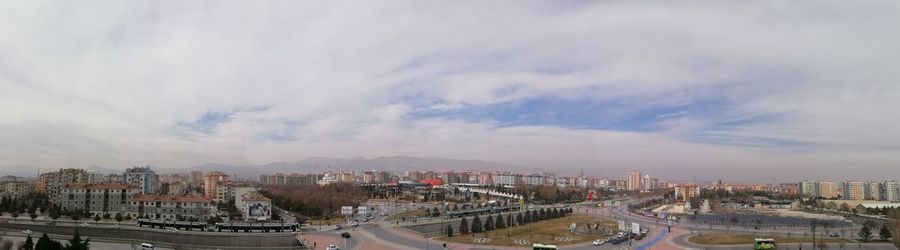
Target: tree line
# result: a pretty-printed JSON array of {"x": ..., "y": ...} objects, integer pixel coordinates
[
  {"x": 314, "y": 200},
  {"x": 499, "y": 222}
]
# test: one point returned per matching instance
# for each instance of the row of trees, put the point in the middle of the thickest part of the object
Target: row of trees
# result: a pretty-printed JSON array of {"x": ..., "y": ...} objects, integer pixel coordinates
[
  {"x": 45, "y": 243},
  {"x": 314, "y": 200},
  {"x": 492, "y": 223}
]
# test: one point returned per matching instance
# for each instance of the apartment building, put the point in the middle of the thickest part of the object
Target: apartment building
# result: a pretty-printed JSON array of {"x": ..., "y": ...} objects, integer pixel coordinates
[
  {"x": 102, "y": 198},
  {"x": 15, "y": 189},
  {"x": 214, "y": 185},
  {"x": 142, "y": 177},
  {"x": 633, "y": 181},
  {"x": 171, "y": 207},
  {"x": 52, "y": 183}
]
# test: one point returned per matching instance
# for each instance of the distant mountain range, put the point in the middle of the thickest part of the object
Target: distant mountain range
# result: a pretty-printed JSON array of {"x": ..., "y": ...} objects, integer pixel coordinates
[{"x": 323, "y": 164}]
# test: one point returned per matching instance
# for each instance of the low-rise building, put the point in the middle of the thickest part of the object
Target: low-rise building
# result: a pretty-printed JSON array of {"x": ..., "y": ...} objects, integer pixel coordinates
[
  {"x": 171, "y": 207},
  {"x": 104, "y": 198},
  {"x": 255, "y": 207},
  {"x": 15, "y": 189}
]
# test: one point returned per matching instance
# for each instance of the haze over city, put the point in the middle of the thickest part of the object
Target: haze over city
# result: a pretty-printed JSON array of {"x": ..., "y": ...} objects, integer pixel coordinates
[{"x": 742, "y": 91}]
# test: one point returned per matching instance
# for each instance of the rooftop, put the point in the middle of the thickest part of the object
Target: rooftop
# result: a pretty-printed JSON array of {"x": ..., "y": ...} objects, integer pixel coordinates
[{"x": 176, "y": 198}]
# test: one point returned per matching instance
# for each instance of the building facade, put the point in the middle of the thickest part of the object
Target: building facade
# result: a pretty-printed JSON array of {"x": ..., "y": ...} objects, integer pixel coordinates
[
  {"x": 52, "y": 183},
  {"x": 143, "y": 178},
  {"x": 171, "y": 207},
  {"x": 103, "y": 198}
]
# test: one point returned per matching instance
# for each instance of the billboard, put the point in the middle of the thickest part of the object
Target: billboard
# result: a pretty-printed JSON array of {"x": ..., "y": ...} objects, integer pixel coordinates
[
  {"x": 346, "y": 210},
  {"x": 362, "y": 210},
  {"x": 622, "y": 226},
  {"x": 259, "y": 209},
  {"x": 635, "y": 228}
]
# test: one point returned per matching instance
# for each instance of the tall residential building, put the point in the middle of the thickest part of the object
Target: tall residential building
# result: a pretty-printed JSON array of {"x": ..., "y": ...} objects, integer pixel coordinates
[
  {"x": 892, "y": 191},
  {"x": 142, "y": 177},
  {"x": 508, "y": 179},
  {"x": 855, "y": 190},
  {"x": 829, "y": 190},
  {"x": 684, "y": 192},
  {"x": 875, "y": 191},
  {"x": 196, "y": 178},
  {"x": 52, "y": 183},
  {"x": 809, "y": 188},
  {"x": 633, "y": 181},
  {"x": 211, "y": 184}
]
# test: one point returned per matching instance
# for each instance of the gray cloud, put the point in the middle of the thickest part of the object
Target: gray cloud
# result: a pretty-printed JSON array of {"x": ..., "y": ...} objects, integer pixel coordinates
[{"x": 116, "y": 83}]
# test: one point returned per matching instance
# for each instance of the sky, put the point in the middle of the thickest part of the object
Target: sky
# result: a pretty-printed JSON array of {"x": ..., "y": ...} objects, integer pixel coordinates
[{"x": 733, "y": 90}]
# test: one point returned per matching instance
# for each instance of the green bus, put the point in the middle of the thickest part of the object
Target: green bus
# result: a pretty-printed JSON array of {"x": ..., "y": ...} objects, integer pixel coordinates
[
  {"x": 764, "y": 244},
  {"x": 537, "y": 246}
]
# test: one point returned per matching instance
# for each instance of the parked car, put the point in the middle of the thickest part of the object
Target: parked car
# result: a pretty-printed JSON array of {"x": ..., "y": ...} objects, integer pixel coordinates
[
  {"x": 638, "y": 237},
  {"x": 26, "y": 231},
  {"x": 835, "y": 235},
  {"x": 599, "y": 242},
  {"x": 345, "y": 235},
  {"x": 332, "y": 247},
  {"x": 338, "y": 227}
]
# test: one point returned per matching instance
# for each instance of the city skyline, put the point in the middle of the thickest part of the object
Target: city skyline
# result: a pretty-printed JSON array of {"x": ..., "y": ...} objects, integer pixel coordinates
[{"x": 741, "y": 91}]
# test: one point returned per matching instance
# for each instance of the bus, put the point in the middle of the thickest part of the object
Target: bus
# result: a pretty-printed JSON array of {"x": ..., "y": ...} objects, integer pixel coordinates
[
  {"x": 537, "y": 246},
  {"x": 764, "y": 244}
]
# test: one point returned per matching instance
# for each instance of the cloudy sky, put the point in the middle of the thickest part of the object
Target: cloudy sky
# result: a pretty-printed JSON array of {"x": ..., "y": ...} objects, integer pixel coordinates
[{"x": 737, "y": 90}]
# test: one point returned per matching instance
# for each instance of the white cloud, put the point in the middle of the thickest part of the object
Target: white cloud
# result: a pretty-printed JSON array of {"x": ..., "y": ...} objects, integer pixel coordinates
[{"x": 108, "y": 83}]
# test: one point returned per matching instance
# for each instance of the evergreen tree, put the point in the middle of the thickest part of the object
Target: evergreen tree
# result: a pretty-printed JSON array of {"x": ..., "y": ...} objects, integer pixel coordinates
[
  {"x": 499, "y": 223},
  {"x": 489, "y": 223},
  {"x": 865, "y": 232},
  {"x": 518, "y": 219},
  {"x": 119, "y": 217},
  {"x": 449, "y": 230},
  {"x": 76, "y": 243},
  {"x": 464, "y": 226},
  {"x": 885, "y": 233},
  {"x": 476, "y": 224},
  {"x": 45, "y": 243},
  {"x": 29, "y": 243}
]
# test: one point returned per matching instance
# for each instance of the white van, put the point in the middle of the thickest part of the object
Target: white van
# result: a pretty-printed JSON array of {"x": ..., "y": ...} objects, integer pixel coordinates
[{"x": 146, "y": 246}]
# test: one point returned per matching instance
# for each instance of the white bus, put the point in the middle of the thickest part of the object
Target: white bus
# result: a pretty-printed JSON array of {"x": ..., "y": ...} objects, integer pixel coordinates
[{"x": 537, "y": 246}]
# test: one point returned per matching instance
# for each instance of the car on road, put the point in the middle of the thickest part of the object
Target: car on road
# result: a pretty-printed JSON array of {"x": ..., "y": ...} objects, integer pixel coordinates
[
  {"x": 146, "y": 246},
  {"x": 384, "y": 214},
  {"x": 332, "y": 247},
  {"x": 616, "y": 241},
  {"x": 835, "y": 235},
  {"x": 338, "y": 227},
  {"x": 620, "y": 235},
  {"x": 345, "y": 235},
  {"x": 365, "y": 219},
  {"x": 638, "y": 237},
  {"x": 26, "y": 231},
  {"x": 598, "y": 242},
  {"x": 354, "y": 223}
]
